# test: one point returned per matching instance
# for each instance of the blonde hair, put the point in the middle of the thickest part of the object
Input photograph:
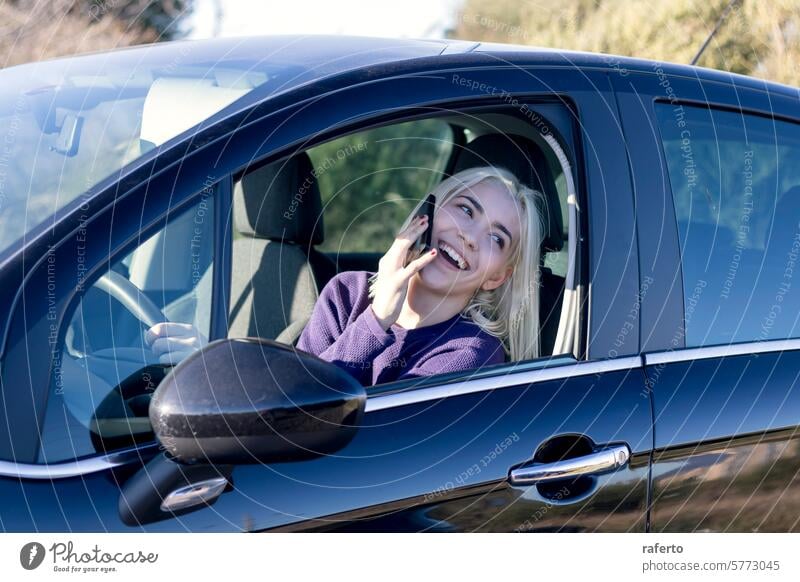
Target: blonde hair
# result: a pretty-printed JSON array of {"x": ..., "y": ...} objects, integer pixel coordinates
[{"x": 511, "y": 311}]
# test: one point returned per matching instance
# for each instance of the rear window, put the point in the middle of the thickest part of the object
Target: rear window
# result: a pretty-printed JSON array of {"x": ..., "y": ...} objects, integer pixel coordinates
[{"x": 735, "y": 181}]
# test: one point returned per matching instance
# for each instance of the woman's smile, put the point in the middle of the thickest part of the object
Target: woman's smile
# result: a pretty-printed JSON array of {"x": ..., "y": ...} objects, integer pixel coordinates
[
  {"x": 453, "y": 257},
  {"x": 444, "y": 258}
]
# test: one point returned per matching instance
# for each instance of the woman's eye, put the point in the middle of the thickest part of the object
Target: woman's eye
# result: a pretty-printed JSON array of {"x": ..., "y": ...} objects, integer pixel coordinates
[{"x": 497, "y": 238}]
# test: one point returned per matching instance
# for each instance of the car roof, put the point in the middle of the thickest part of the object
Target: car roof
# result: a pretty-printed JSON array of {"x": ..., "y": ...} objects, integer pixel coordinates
[
  {"x": 632, "y": 64},
  {"x": 338, "y": 46},
  {"x": 324, "y": 55}
]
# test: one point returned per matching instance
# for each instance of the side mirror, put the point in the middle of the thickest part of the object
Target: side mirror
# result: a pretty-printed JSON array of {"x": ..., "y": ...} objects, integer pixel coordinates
[{"x": 241, "y": 401}]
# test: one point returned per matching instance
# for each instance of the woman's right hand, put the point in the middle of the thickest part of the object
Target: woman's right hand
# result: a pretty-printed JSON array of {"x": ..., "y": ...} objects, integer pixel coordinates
[
  {"x": 391, "y": 285},
  {"x": 171, "y": 342}
]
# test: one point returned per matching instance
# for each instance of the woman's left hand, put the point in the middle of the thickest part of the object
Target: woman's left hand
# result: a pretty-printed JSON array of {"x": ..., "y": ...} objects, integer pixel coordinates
[
  {"x": 171, "y": 342},
  {"x": 391, "y": 285}
]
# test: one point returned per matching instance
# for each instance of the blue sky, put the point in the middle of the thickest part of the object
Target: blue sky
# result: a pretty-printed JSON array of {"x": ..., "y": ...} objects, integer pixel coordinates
[{"x": 388, "y": 18}]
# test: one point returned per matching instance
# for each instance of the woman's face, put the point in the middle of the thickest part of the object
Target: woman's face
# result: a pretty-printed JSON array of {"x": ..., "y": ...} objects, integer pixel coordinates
[{"x": 482, "y": 225}]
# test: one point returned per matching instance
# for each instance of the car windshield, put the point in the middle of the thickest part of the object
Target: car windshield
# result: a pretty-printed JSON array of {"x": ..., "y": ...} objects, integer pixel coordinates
[{"x": 68, "y": 124}]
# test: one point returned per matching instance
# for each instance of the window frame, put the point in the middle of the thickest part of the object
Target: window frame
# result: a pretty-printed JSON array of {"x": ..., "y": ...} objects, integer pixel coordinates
[{"x": 661, "y": 301}]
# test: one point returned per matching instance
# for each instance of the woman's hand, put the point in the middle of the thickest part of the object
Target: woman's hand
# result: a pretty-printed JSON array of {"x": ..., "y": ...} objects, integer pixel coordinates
[
  {"x": 171, "y": 342},
  {"x": 391, "y": 285}
]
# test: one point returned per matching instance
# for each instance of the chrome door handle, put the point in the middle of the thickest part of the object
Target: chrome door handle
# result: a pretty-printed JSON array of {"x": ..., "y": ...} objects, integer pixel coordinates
[{"x": 602, "y": 461}]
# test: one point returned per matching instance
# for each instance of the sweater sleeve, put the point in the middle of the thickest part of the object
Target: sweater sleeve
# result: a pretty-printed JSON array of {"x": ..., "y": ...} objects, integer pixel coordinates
[
  {"x": 474, "y": 356},
  {"x": 351, "y": 345}
]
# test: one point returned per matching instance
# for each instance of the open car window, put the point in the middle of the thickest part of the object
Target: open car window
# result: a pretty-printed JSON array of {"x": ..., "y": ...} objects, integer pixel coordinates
[
  {"x": 335, "y": 207},
  {"x": 370, "y": 181}
]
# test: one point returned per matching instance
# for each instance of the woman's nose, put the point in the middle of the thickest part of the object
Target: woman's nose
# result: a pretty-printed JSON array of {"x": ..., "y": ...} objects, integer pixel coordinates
[{"x": 469, "y": 240}]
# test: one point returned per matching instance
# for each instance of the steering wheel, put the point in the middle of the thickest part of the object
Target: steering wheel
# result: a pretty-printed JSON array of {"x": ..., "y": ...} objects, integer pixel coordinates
[
  {"x": 131, "y": 297},
  {"x": 122, "y": 414}
]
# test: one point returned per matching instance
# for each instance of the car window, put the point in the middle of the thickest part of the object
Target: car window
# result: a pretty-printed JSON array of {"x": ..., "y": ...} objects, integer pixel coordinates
[
  {"x": 332, "y": 209},
  {"x": 736, "y": 189},
  {"x": 371, "y": 180},
  {"x": 105, "y": 369}
]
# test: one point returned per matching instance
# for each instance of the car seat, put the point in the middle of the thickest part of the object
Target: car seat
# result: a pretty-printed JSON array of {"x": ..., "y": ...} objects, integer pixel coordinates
[
  {"x": 276, "y": 273},
  {"x": 526, "y": 161}
]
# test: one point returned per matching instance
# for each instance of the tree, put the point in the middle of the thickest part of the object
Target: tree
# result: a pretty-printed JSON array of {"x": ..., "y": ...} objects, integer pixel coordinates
[
  {"x": 32, "y": 30},
  {"x": 757, "y": 38}
]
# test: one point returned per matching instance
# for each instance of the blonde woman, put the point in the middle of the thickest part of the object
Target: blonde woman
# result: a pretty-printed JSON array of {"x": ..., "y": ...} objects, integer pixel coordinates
[{"x": 472, "y": 301}]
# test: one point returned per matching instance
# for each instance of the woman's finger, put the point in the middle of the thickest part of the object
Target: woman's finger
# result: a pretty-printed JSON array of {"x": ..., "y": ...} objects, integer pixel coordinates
[
  {"x": 406, "y": 238},
  {"x": 416, "y": 226},
  {"x": 418, "y": 264},
  {"x": 393, "y": 274}
]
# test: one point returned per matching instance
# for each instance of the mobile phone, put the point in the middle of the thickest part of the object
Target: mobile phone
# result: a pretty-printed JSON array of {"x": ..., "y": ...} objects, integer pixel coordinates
[{"x": 423, "y": 243}]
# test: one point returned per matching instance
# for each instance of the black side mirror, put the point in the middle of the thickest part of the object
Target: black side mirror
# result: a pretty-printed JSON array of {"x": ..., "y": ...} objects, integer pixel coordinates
[{"x": 240, "y": 401}]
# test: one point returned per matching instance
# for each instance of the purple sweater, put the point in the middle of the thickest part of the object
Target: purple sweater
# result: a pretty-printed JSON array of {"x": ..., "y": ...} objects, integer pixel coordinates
[{"x": 344, "y": 330}]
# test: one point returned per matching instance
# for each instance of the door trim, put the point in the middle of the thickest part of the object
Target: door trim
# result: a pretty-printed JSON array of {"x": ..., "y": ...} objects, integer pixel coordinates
[
  {"x": 78, "y": 467},
  {"x": 720, "y": 351},
  {"x": 507, "y": 380}
]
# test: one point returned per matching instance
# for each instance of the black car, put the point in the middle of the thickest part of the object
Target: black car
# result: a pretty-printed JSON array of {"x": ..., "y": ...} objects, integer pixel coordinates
[{"x": 223, "y": 183}]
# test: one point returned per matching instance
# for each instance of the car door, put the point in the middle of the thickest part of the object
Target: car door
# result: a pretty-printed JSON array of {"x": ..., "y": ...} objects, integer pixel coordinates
[
  {"x": 475, "y": 451},
  {"x": 718, "y": 209}
]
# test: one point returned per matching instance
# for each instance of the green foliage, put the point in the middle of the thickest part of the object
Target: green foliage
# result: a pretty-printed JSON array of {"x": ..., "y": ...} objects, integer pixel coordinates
[
  {"x": 34, "y": 30},
  {"x": 159, "y": 17},
  {"x": 370, "y": 181},
  {"x": 757, "y": 38}
]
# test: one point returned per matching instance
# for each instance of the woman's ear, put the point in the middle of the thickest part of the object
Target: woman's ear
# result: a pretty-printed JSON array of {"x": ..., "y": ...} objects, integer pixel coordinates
[{"x": 497, "y": 280}]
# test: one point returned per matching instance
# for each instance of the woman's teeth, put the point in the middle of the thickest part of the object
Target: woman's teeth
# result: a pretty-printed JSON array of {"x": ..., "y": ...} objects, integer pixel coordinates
[{"x": 450, "y": 253}]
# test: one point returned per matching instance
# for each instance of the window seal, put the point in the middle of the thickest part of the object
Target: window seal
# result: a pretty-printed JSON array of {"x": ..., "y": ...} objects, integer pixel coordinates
[
  {"x": 720, "y": 351},
  {"x": 415, "y": 395}
]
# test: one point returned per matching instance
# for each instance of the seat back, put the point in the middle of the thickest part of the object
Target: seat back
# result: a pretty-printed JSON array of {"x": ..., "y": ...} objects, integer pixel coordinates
[
  {"x": 525, "y": 160},
  {"x": 276, "y": 273}
]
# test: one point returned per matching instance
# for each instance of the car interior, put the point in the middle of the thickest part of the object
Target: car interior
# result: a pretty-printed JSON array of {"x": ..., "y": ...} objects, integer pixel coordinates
[{"x": 279, "y": 271}]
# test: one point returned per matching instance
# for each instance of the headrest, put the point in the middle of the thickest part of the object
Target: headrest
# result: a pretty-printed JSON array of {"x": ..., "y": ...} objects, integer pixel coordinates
[
  {"x": 281, "y": 202},
  {"x": 173, "y": 105},
  {"x": 525, "y": 160}
]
